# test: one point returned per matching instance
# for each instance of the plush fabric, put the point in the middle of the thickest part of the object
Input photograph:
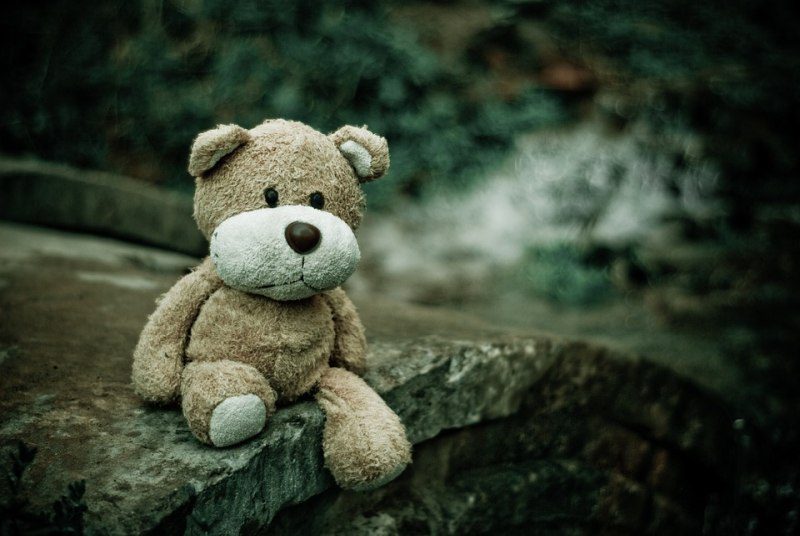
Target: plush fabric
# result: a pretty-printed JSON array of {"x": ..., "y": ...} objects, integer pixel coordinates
[
  {"x": 350, "y": 345},
  {"x": 367, "y": 152},
  {"x": 364, "y": 441},
  {"x": 250, "y": 253},
  {"x": 358, "y": 156},
  {"x": 263, "y": 320},
  {"x": 288, "y": 342},
  {"x": 206, "y": 385},
  {"x": 235, "y": 419},
  {"x": 291, "y": 157},
  {"x": 159, "y": 356},
  {"x": 211, "y": 146}
]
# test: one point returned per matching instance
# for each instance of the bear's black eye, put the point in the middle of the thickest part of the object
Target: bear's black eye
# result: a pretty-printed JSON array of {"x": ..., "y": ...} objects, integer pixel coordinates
[
  {"x": 271, "y": 196},
  {"x": 317, "y": 200}
]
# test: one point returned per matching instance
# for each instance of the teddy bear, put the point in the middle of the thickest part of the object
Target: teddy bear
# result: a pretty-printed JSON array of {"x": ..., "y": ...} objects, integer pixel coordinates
[{"x": 263, "y": 319}]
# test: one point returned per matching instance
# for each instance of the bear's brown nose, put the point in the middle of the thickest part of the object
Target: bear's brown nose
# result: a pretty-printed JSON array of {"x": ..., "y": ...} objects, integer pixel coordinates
[{"x": 302, "y": 237}]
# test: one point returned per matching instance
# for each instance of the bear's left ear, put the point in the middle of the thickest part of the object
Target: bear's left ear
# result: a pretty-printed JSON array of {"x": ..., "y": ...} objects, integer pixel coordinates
[
  {"x": 368, "y": 153},
  {"x": 210, "y": 146}
]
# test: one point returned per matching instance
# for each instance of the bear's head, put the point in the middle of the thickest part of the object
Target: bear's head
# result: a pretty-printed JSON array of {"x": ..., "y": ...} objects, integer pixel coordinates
[{"x": 279, "y": 203}]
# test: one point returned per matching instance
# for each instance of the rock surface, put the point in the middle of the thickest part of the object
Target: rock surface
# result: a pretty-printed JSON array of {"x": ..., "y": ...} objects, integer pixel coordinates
[
  {"x": 61, "y": 196},
  {"x": 512, "y": 430}
]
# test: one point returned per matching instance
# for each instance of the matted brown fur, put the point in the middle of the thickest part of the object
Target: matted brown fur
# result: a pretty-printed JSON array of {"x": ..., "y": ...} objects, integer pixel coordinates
[
  {"x": 207, "y": 342},
  {"x": 211, "y": 146},
  {"x": 204, "y": 385},
  {"x": 159, "y": 355},
  {"x": 290, "y": 349},
  {"x": 356, "y": 450},
  {"x": 375, "y": 145},
  {"x": 350, "y": 344},
  {"x": 291, "y": 157}
]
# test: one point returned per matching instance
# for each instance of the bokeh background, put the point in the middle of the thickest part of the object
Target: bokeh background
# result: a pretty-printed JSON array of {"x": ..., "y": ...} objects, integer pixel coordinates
[{"x": 621, "y": 169}]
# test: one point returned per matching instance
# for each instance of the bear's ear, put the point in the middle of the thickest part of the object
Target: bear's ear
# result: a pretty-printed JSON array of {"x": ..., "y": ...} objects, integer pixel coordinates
[
  {"x": 368, "y": 153},
  {"x": 210, "y": 146}
]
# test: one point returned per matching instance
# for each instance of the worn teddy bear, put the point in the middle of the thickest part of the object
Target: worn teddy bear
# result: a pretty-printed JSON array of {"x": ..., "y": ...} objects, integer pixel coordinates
[{"x": 263, "y": 320}]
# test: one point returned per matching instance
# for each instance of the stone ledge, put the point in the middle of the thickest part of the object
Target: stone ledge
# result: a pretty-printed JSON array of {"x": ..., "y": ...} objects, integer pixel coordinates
[
  {"x": 57, "y": 195},
  {"x": 72, "y": 308}
]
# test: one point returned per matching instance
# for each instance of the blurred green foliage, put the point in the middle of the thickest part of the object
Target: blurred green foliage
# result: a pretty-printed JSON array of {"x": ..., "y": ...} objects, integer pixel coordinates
[
  {"x": 560, "y": 273},
  {"x": 126, "y": 86},
  {"x": 727, "y": 70}
]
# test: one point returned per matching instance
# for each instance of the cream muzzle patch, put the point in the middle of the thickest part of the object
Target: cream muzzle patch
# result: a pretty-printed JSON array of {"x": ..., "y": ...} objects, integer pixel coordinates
[{"x": 255, "y": 251}]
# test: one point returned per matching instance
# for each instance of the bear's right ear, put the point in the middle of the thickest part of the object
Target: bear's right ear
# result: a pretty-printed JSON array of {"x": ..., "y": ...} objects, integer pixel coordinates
[{"x": 210, "y": 146}]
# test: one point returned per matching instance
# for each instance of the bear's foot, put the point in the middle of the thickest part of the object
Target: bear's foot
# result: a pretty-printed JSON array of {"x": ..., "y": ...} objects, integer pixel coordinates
[
  {"x": 225, "y": 402},
  {"x": 235, "y": 419},
  {"x": 377, "y": 482},
  {"x": 364, "y": 442}
]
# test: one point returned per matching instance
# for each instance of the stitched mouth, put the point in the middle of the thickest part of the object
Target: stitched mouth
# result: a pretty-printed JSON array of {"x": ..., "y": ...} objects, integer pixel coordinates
[{"x": 301, "y": 280}]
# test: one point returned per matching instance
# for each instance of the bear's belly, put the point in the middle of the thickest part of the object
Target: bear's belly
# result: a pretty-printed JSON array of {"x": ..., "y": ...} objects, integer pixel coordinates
[{"x": 289, "y": 342}]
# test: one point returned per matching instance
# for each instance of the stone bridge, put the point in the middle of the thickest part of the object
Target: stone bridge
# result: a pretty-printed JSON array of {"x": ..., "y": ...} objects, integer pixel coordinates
[{"x": 513, "y": 431}]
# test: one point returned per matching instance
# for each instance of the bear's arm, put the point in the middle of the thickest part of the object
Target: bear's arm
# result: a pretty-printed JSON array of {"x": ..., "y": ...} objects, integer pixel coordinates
[
  {"x": 350, "y": 347},
  {"x": 159, "y": 356}
]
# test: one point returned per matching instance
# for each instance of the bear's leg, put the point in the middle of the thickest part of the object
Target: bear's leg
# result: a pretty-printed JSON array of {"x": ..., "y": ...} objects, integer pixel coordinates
[
  {"x": 225, "y": 402},
  {"x": 364, "y": 442}
]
